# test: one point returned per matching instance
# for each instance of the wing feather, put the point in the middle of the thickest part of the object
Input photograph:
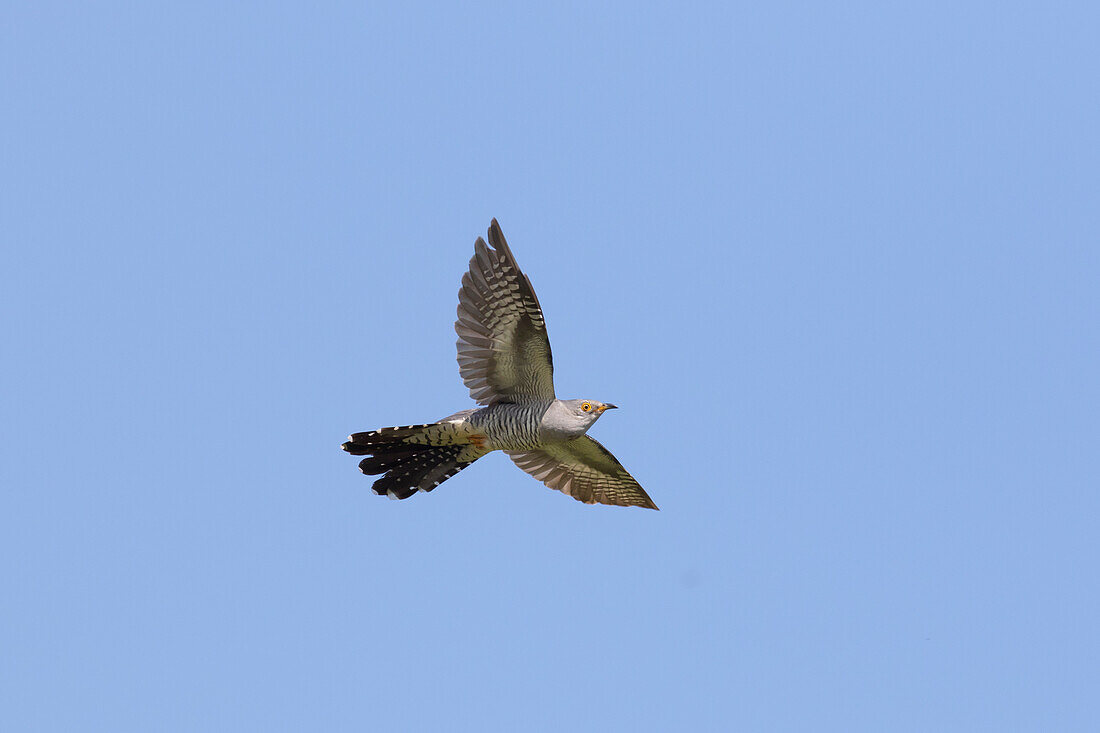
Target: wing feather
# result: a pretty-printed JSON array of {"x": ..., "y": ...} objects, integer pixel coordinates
[
  {"x": 585, "y": 470},
  {"x": 503, "y": 350}
]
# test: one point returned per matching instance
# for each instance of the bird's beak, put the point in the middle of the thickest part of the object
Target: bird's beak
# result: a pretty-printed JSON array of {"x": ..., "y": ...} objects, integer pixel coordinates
[{"x": 607, "y": 407}]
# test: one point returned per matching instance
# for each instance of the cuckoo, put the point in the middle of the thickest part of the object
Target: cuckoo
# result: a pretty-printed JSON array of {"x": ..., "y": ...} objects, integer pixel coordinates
[{"x": 504, "y": 358}]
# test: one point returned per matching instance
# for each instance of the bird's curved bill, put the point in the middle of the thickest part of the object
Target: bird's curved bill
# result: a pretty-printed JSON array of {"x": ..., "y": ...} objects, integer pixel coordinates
[{"x": 603, "y": 407}]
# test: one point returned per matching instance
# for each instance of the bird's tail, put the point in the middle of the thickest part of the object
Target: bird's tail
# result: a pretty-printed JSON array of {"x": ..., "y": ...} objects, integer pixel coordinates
[{"x": 406, "y": 460}]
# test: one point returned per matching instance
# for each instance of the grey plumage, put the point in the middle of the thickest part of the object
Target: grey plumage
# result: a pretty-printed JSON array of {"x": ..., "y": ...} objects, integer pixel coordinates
[
  {"x": 512, "y": 425},
  {"x": 505, "y": 360}
]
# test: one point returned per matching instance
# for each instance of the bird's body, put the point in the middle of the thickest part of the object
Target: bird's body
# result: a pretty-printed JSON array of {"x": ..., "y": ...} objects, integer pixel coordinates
[
  {"x": 509, "y": 426},
  {"x": 504, "y": 358}
]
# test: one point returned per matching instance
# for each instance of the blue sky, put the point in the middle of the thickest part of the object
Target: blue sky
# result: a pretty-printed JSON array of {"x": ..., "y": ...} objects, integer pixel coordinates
[{"x": 838, "y": 265}]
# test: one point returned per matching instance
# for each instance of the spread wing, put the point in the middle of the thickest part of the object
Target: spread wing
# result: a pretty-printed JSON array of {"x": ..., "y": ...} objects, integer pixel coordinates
[
  {"x": 585, "y": 470},
  {"x": 503, "y": 350}
]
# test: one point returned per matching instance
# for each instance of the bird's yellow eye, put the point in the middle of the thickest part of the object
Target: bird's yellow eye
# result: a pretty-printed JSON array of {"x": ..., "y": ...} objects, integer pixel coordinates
[{"x": 586, "y": 406}]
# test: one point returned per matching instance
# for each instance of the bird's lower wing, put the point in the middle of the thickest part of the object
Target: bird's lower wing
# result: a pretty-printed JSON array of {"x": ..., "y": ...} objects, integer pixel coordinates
[{"x": 585, "y": 470}]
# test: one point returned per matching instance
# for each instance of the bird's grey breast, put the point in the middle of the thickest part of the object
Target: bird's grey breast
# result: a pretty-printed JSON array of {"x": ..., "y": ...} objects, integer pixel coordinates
[{"x": 559, "y": 422}]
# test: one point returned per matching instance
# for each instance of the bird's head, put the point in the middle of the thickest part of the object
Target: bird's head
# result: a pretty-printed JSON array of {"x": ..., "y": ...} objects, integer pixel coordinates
[
  {"x": 586, "y": 412},
  {"x": 572, "y": 418}
]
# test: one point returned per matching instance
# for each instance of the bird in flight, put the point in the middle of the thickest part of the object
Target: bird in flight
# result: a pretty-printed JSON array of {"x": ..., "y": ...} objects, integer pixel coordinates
[{"x": 504, "y": 358}]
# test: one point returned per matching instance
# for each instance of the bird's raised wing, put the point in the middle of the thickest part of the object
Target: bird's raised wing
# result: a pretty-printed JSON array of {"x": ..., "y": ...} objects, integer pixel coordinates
[
  {"x": 585, "y": 470},
  {"x": 503, "y": 350}
]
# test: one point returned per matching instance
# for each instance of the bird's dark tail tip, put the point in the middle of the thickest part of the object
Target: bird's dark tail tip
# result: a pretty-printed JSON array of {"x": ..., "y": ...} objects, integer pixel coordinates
[
  {"x": 406, "y": 467},
  {"x": 362, "y": 444}
]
